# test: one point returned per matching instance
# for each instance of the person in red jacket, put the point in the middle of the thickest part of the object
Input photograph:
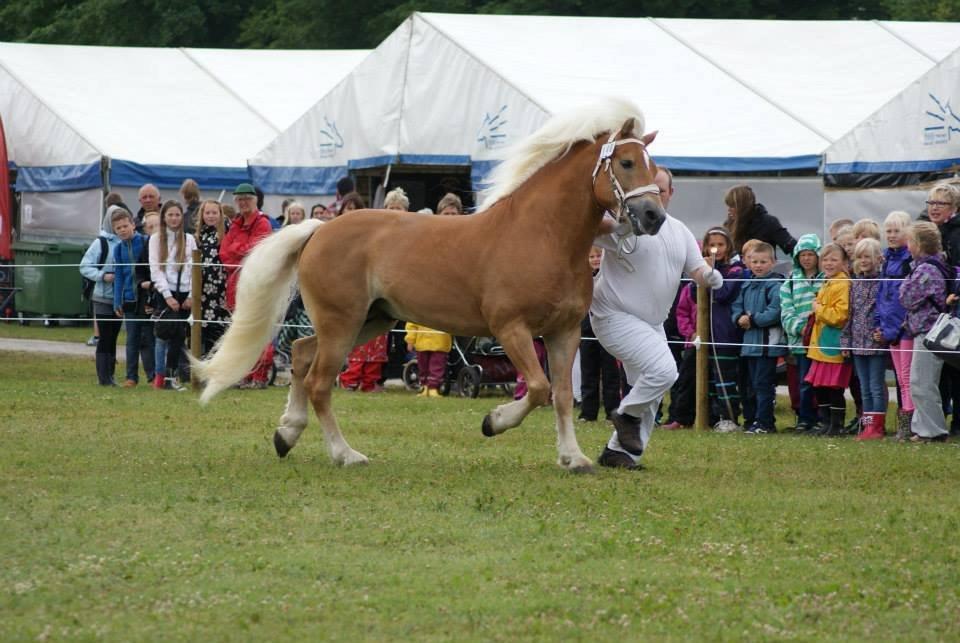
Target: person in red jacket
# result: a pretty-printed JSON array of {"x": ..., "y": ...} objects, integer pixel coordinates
[{"x": 246, "y": 230}]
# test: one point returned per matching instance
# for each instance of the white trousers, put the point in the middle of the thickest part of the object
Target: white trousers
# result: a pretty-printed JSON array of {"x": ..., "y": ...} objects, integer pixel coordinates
[
  {"x": 648, "y": 363},
  {"x": 928, "y": 420}
]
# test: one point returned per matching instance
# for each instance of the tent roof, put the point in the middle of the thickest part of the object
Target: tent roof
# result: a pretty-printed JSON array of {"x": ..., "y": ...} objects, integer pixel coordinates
[
  {"x": 918, "y": 131},
  {"x": 152, "y": 110},
  {"x": 726, "y": 95}
]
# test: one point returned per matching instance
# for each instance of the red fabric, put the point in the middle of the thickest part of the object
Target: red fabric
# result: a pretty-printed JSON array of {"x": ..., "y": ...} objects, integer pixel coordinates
[
  {"x": 432, "y": 366},
  {"x": 362, "y": 375},
  {"x": 373, "y": 351},
  {"x": 237, "y": 243},
  {"x": 6, "y": 216},
  {"x": 261, "y": 370}
]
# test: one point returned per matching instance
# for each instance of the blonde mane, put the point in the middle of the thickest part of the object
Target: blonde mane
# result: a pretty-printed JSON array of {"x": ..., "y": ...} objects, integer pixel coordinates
[{"x": 554, "y": 139}]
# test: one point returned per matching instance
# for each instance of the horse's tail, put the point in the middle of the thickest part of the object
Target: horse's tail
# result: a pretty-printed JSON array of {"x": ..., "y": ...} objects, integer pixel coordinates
[{"x": 262, "y": 296}]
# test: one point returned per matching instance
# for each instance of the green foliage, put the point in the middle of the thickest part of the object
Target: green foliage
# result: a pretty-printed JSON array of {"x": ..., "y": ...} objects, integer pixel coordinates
[
  {"x": 137, "y": 515},
  {"x": 328, "y": 24}
]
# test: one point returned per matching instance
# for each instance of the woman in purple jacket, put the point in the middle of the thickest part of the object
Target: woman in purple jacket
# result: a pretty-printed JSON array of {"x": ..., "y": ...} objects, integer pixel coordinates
[
  {"x": 890, "y": 314},
  {"x": 923, "y": 294}
]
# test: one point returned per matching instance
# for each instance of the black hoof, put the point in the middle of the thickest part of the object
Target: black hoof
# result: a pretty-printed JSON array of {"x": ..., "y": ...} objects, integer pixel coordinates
[
  {"x": 278, "y": 443},
  {"x": 487, "y": 427},
  {"x": 584, "y": 470}
]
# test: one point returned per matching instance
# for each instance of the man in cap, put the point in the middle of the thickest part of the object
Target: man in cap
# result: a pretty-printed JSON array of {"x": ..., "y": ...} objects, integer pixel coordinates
[{"x": 250, "y": 226}]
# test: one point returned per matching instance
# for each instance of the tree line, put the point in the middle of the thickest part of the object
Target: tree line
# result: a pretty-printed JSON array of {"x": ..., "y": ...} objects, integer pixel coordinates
[{"x": 352, "y": 24}]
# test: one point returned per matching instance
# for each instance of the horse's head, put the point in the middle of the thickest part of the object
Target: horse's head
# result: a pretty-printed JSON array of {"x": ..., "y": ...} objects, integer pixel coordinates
[{"x": 630, "y": 193}]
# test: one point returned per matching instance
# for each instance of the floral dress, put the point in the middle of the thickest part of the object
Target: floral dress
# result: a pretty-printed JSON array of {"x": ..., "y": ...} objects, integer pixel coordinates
[{"x": 213, "y": 296}]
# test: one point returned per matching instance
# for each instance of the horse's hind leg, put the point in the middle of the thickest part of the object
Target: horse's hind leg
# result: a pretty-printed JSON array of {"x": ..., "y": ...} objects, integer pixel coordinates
[
  {"x": 561, "y": 348},
  {"x": 518, "y": 343},
  {"x": 295, "y": 416},
  {"x": 319, "y": 384}
]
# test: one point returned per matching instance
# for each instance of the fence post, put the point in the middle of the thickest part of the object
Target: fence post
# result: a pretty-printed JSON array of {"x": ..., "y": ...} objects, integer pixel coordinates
[
  {"x": 196, "y": 287},
  {"x": 702, "y": 420}
]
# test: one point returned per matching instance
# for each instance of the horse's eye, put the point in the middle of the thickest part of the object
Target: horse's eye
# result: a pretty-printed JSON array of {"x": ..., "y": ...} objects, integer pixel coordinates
[{"x": 626, "y": 164}]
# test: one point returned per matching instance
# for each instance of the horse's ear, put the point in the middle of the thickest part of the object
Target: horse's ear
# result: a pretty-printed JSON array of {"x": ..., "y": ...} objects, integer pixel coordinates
[
  {"x": 648, "y": 138},
  {"x": 627, "y": 128}
]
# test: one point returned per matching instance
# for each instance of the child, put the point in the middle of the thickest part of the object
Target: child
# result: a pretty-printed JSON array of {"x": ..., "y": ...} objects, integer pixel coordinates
[
  {"x": 923, "y": 295},
  {"x": 846, "y": 239},
  {"x": 757, "y": 311},
  {"x": 680, "y": 414},
  {"x": 829, "y": 373},
  {"x": 101, "y": 273},
  {"x": 837, "y": 226},
  {"x": 865, "y": 229},
  {"x": 211, "y": 227},
  {"x": 128, "y": 296},
  {"x": 890, "y": 314},
  {"x": 432, "y": 347},
  {"x": 171, "y": 262},
  {"x": 869, "y": 361},
  {"x": 599, "y": 374},
  {"x": 725, "y": 336},
  {"x": 796, "y": 304}
]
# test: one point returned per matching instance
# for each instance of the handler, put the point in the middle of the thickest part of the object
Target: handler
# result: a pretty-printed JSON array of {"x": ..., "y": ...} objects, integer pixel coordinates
[{"x": 638, "y": 280}]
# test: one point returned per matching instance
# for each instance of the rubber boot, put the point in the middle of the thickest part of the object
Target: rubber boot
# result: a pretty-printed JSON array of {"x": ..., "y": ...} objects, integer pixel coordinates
[
  {"x": 872, "y": 424},
  {"x": 158, "y": 382},
  {"x": 836, "y": 421},
  {"x": 823, "y": 421},
  {"x": 904, "y": 421}
]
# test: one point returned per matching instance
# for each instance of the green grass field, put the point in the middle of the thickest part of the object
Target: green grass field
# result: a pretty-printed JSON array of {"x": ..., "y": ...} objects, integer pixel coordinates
[{"x": 138, "y": 515}]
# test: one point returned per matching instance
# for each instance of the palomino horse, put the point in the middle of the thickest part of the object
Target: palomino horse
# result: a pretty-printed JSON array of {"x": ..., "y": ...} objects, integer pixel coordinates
[{"x": 515, "y": 270}]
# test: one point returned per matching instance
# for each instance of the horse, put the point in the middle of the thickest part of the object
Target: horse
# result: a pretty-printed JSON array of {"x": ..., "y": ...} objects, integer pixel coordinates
[{"x": 515, "y": 269}]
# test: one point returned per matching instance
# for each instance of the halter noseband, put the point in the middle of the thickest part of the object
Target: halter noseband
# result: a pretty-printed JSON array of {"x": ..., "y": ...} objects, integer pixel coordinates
[{"x": 606, "y": 156}]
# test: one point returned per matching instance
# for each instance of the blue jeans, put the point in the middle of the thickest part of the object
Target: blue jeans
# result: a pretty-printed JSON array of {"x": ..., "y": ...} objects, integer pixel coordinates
[
  {"x": 870, "y": 371},
  {"x": 160, "y": 356},
  {"x": 139, "y": 347},
  {"x": 763, "y": 378}
]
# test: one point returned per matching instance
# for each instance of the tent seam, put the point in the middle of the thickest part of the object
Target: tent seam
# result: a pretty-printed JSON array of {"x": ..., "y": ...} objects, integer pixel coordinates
[
  {"x": 905, "y": 41},
  {"x": 229, "y": 90},
  {"x": 485, "y": 64},
  {"x": 96, "y": 148},
  {"x": 742, "y": 82}
]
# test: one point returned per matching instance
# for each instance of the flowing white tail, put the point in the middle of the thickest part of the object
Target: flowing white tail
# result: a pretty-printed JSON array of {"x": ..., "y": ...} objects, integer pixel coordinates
[{"x": 262, "y": 296}]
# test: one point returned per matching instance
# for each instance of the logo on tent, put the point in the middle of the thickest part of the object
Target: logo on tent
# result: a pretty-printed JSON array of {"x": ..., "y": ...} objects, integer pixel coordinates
[
  {"x": 942, "y": 122},
  {"x": 491, "y": 132},
  {"x": 330, "y": 139}
]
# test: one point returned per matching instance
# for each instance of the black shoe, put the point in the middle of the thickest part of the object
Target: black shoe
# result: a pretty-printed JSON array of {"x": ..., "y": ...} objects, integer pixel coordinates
[
  {"x": 616, "y": 460},
  {"x": 628, "y": 433}
]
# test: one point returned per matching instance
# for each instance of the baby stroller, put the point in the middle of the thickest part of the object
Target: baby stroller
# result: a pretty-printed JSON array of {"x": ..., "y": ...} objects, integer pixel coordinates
[{"x": 472, "y": 363}]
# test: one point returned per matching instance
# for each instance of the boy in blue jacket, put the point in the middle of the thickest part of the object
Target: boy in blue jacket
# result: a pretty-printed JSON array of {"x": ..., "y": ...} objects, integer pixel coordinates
[
  {"x": 129, "y": 294},
  {"x": 757, "y": 311}
]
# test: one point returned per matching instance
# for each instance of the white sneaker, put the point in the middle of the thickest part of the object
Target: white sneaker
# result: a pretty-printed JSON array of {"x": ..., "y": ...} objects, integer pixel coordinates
[
  {"x": 727, "y": 426},
  {"x": 174, "y": 384}
]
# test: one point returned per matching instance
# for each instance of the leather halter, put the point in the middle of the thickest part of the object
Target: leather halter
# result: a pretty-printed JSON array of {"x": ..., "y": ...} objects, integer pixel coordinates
[{"x": 605, "y": 158}]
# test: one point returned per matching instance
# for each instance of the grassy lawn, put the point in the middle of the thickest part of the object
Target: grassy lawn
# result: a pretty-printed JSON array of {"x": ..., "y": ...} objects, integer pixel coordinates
[
  {"x": 36, "y": 330},
  {"x": 132, "y": 515}
]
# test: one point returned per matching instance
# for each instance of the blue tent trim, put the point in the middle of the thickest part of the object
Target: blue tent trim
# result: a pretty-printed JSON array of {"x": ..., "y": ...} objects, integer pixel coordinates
[
  {"x": 128, "y": 173},
  {"x": 886, "y": 167},
  {"x": 58, "y": 178},
  {"x": 297, "y": 180},
  {"x": 734, "y": 164}
]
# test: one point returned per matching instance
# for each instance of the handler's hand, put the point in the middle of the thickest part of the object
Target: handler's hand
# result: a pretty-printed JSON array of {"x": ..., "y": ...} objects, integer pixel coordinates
[{"x": 172, "y": 303}]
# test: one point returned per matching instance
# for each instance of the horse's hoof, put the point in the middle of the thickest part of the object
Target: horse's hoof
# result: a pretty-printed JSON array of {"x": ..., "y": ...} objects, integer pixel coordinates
[
  {"x": 280, "y": 444},
  {"x": 487, "y": 426},
  {"x": 585, "y": 469}
]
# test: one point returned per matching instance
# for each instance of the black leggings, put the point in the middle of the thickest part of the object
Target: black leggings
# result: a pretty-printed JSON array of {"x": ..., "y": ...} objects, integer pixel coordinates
[
  {"x": 109, "y": 326},
  {"x": 832, "y": 397}
]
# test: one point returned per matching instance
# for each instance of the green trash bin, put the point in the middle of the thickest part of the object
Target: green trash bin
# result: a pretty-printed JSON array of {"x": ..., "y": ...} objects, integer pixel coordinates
[{"x": 49, "y": 292}]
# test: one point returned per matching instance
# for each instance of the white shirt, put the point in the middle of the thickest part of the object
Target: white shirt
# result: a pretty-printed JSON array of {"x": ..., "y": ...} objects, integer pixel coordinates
[
  {"x": 644, "y": 282},
  {"x": 165, "y": 281}
]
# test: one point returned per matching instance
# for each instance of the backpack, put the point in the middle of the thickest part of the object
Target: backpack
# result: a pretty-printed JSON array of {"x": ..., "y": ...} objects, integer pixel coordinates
[
  {"x": 88, "y": 284},
  {"x": 950, "y": 278}
]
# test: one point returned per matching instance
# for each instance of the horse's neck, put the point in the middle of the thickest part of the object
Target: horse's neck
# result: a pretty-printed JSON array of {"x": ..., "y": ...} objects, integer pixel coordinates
[{"x": 559, "y": 198}]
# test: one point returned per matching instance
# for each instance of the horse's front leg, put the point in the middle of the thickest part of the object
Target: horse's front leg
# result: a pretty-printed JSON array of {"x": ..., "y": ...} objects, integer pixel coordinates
[
  {"x": 518, "y": 344},
  {"x": 561, "y": 349}
]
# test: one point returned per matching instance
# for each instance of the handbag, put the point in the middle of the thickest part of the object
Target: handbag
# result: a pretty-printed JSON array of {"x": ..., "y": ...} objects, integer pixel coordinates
[
  {"x": 807, "y": 333},
  {"x": 168, "y": 323},
  {"x": 943, "y": 339}
]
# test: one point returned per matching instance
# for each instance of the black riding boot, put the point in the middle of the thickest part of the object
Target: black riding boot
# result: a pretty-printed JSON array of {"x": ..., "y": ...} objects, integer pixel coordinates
[
  {"x": 836, "y": 421},
  {"x": 823, "y": 420}
]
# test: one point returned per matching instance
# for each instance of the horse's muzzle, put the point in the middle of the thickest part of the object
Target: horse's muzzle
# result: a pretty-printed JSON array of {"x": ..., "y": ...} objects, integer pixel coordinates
[{"x": 646, "y": 215}]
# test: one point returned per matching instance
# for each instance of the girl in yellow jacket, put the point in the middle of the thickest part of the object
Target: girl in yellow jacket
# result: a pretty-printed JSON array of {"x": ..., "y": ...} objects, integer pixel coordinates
[
  {"x": 432, "y": 347},
  {"x": 829, "y": 370}
]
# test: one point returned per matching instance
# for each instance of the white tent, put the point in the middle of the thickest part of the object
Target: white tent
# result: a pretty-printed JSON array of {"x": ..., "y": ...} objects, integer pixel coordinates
[
  {"x": 747, "y": 97},
  {"x": 885, "y": 162},
  {"x": 79, "y": 117}
]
